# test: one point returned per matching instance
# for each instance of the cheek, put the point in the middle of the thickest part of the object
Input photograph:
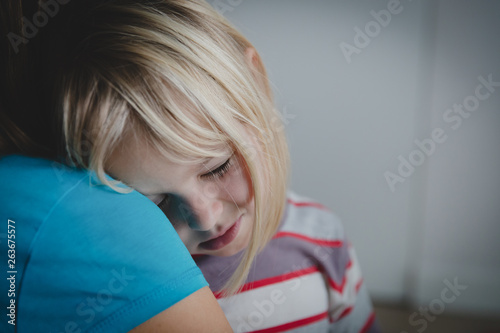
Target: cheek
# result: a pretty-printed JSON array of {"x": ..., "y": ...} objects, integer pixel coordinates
[{"x": 238, "y": 185}]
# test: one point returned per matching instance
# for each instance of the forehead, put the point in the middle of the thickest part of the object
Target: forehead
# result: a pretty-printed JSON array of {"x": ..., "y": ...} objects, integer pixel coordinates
[{"x": 138, "y": 164}]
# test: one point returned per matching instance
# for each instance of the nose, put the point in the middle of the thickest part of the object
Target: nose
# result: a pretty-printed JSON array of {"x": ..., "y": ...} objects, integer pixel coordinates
[{"x": 207, "y": 209}]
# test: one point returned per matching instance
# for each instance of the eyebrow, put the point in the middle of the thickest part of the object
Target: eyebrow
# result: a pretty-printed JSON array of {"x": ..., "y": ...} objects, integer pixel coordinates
[
  {"x": 226, "y": 149},
  {"x": 202, "y": 166},
  {"x": 205, "y": 168}
]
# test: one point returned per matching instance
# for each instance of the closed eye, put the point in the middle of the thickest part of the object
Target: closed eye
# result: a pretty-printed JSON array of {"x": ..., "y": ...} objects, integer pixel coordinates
[{"x": 219, "y": 172}]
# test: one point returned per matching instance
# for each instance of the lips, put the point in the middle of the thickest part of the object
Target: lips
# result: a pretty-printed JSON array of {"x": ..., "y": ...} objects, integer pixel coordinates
[{"x": 220, "y": 241}]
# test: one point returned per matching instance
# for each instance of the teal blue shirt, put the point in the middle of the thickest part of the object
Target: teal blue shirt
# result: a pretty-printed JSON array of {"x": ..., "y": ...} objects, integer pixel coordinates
[{"x": 83, "y": 258}]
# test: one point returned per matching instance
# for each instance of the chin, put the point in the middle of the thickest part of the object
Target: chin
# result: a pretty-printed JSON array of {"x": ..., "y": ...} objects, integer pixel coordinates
[
  {"x": 236, "y": 246},
  {"x": 230, "y": 252},
  {"x": 230, "y": 249}
]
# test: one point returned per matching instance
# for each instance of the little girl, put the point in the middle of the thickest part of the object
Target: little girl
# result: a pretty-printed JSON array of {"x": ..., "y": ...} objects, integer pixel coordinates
[{"x": 232, "y": 206}]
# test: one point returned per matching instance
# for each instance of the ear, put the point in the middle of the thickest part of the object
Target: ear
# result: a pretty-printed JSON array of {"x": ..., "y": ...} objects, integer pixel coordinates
[{"x": 253, "y": 60}]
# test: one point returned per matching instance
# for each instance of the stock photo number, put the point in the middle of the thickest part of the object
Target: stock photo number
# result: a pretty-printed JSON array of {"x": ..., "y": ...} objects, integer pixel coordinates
[{"x": 11, "y": 271}]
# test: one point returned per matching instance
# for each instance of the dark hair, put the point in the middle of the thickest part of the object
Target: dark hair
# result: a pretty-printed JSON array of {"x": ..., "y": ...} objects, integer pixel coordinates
[{"x": 28, "y": 121}]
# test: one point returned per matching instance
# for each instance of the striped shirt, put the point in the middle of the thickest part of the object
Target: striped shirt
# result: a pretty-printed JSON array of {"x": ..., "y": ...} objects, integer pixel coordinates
[{"x": 307, "y": 279}]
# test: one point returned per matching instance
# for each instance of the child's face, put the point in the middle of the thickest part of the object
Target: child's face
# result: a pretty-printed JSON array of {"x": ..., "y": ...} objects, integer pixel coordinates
[{"x": 210, "y": 205}]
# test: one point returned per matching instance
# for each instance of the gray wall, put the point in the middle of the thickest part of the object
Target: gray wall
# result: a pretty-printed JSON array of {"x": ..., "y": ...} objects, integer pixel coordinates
[{"x": 352, "y": 119}]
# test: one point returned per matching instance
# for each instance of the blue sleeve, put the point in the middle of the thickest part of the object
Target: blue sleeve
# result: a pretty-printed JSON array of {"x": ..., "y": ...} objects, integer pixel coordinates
[{"x": 97, "y": 261}]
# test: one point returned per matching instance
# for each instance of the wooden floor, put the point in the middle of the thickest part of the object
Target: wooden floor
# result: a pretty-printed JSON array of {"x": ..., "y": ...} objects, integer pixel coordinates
[{"x": 397, "y": 320}]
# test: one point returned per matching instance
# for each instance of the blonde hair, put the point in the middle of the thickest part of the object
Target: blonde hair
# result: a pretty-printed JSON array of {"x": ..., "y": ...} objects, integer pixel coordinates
[{"x": 137, "y": 66}]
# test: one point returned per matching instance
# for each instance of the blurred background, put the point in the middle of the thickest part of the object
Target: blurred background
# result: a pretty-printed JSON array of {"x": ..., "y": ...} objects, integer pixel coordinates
[{"x": 392, "y": 111}]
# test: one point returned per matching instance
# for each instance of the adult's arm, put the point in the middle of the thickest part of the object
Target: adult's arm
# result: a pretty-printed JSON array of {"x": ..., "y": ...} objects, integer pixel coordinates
[{"x": 199, "y": 312}]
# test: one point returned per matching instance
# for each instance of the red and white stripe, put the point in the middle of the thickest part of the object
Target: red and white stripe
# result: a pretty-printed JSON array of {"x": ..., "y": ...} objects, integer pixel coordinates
[
  {"x": 265, "y": 305},
  {"x": 343, "y": 295},
  {"x": 280, "y": 303}
]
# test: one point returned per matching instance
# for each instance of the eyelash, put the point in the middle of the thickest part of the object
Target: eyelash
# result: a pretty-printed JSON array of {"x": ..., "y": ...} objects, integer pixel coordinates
[{"x": 218, "y": 172}]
